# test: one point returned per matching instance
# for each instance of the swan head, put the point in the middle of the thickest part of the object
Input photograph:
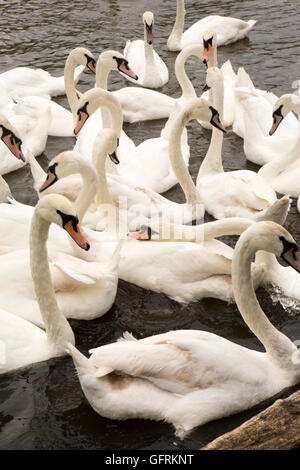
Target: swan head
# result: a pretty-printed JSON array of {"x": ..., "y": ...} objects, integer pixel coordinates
[
  {"x": 145, "y": 233},
  {"x": 90, "y": 101},
  {"x": 199, "y": 108},
  {"x": 107, "y": 142},
  {"x": 209, "y": 43},
  {"x": 10, "y": 137},
  {"x": 285, "y": 104},
  {"x": 65, "y": 164},
  {"x": 83, "y": 56},
  {"x": 57, "y": 209},
  {"x": 148, "y": 20},
  {"x": 113, "y": 60},
  {"x": 273, "y": 238}
]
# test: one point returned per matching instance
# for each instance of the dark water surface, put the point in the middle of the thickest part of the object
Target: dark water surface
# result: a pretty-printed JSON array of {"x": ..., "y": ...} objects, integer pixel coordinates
[{"x": 43, "y": 406}]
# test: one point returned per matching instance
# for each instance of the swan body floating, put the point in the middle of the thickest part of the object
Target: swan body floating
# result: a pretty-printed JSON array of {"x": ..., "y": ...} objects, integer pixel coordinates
[
  {"x": 24, "y": 81},
  {"x": 229, "y": 29},
  {"x": 283, "y": 172},
  {"x": 240, "y": 193},
  {"x": 253, "y": 111},
  {"x": 25, "y": 343},
  {"x": 151, "y": 70},
  {"x": 187, "y": 377}
]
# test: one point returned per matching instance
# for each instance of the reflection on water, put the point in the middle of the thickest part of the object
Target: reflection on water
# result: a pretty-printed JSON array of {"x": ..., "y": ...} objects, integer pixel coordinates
[{"x": 43, "y": 407}]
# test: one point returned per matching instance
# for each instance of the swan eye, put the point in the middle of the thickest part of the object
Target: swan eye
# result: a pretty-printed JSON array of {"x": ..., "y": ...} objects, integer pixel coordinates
[
  {"x": 207, "y": 42},
  {"x": 67, "y": 218},
  {"x": 90, "y": 63},
  {"x": 289, "y": 253}
]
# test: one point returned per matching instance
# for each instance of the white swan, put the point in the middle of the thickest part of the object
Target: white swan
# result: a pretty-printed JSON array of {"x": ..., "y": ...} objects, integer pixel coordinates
[
  {"x": 209, "y": 58},
  {"x": 283, "y": 172},
  {"x": 151, "y": 70},
  {"x": 253, "y": 111},
  {"x": 92, "y": 279},
  {"x": 229, "y": 29},
  {"x": 24, "y": 342},
  {"x": 147, "y": 164},
  {"x": 240, "y": 193},
  {"x": 188, "y": 377},
  {"x": 24, "y": 81},
  {"x": 107, "y": 61}
]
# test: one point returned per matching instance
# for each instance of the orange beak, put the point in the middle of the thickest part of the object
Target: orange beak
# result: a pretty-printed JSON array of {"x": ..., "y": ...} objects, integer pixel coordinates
[
  {"x": 14, "y": 145},
  {"x": 139, "y": 235},
  {"x": 127, "y": 71},
  {"x": 206, "y": 54},
  {"x": 82, "y": 117},
  {"x": 76, "y": 235},
  {"x": 51, "y": 179}
]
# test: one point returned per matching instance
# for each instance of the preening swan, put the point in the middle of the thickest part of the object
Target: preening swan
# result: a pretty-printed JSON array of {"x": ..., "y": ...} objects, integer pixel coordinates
[
  {"x": 24, "y": 342},
  {"x": 229, "y": 29},
  {"x": 187, "y": 377},
  {"x": 151, "y": 70},
  {"x": 283, "y": 172},
  {"x": 240, "y": 193}
]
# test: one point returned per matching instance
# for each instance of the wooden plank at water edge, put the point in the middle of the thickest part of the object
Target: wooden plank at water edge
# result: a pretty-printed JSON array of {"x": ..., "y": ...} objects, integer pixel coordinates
[{"x": 276, "y": 428}]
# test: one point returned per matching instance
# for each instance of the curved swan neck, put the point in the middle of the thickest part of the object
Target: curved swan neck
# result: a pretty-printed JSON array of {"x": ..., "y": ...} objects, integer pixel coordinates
[
  {"x": 103, "y": 195},
  {"x": 57, "y": 327},
  {"x": 70, "y": 84},
  {"x": 277, "y": 345},
  {"x": 178, "y": 165},
  {"x": 102, "y": 72},
  {"x": 212, "y": 162},
  {"x": 195, "y": 233},
  {"x": 177, "y": 31},
  {"x": 185, "y": 83},
  {"x": 113, "y": 113},
  {"x": 88, "y": 190}
]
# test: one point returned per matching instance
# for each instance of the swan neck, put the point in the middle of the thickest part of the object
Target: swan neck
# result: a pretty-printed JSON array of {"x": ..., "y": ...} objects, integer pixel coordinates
[
  {"x": 57, "y": 327},
  {"x": 177, "y": 31},
  {"x": 88, "y": 190},
  {"x": 212, "y": 162},
  {"x": 103, "y": 195},
  {"x": 178, "y": 165},
  {"x": 102, "y": 72},
  {"x": 277, "y": 345},
  {"x": 185, "y": 83},
  {"x": 70, "y": 85}
]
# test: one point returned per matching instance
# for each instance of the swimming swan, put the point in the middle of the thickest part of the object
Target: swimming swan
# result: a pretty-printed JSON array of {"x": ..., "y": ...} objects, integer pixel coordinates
[
  {"x": 148, "y": 65},
  {"x": 229, "y": 29},
  {"x": 187, "y": 377}
]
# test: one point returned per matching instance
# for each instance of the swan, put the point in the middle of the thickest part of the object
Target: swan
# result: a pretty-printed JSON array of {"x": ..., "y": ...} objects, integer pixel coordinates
[
  {"x": 107, "y": 61},
  {"x": 147, "y": 164},
  {"x": 252, "y": 122},
  {"x": 188, "y": 377},
  {"x": 229, "y": 29},
  {"x": 151, "y": 70},
  {"x": 240, "y": 193},
  {"x": 24, "y": 81},
  {"x": 24, "y": 342},
  {"x": 209, "y": 57},
  {"x": 92, "y": 278},
  {"x": 283, "y": 172}
]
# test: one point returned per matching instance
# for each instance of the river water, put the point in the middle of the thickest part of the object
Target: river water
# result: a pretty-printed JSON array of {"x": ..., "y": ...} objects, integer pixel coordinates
[{"x": 43, "y": 406}]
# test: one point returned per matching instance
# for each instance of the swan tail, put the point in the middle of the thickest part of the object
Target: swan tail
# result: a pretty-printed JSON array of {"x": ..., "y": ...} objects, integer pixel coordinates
[
  {"x": 244, "y": 80},
  {"x": 81, "y": 363},
  {"x": 277, "y": 212},
  {"x": 251, "y": 23},
  {"x": 127, "y": 337}
]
